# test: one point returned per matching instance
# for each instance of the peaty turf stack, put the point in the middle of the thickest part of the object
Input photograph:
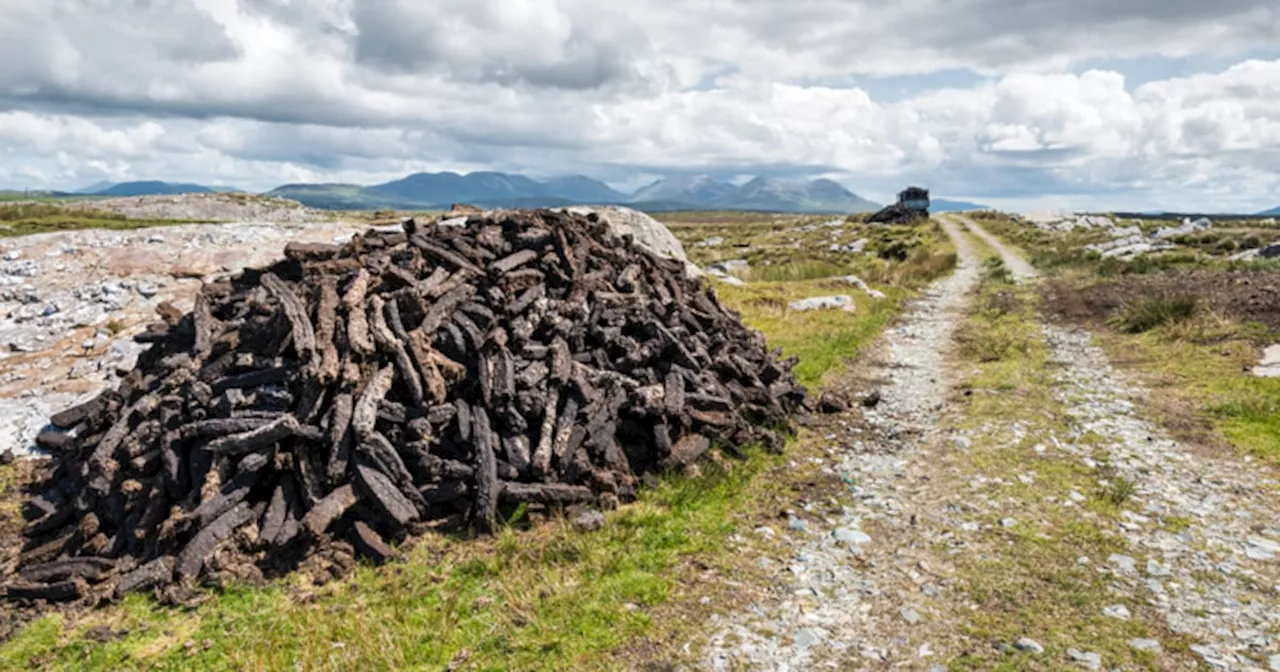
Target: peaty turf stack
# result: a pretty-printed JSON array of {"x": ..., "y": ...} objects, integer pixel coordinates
[{"x": 350, "y": 396}]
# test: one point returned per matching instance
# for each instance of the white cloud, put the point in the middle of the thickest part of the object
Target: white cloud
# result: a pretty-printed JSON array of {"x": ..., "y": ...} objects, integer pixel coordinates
[{"x": 259, "y": 92}]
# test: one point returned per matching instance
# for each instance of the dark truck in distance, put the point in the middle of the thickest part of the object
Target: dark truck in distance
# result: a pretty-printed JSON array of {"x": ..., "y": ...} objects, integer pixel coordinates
[{"x": 913, "y": 202}]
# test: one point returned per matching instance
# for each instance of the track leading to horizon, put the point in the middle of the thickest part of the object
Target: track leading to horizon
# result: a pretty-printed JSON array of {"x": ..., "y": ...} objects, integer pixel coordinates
[{"x": 1015, "y": 514}]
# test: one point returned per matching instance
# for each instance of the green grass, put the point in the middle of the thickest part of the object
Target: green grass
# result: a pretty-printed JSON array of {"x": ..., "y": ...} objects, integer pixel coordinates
[
  {"x": 1200, "y": 386},
  {"x": 824, "y": 340},
  {"x": 554, "y": 598},
  {"x": 1154, "y": 311},
  {"x": 29, "y": 218}
]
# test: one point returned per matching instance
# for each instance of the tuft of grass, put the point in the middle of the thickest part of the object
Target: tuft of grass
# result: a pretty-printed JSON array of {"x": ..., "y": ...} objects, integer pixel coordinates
[
  {"x": 994, "y": 271},
  {"x": 1151, "y": 312},
  {"x": 1119, "y": 491},
  {"x": 798, "y": 271}
]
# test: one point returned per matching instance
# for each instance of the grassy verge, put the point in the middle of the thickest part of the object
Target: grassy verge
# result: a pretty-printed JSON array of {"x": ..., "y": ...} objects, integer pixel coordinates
[
  {"x": 28, "y": 218},
  {"x": 1194, "y": 361},
  {"x": 1013, "y": 467},
  {"x": 550, "y": 597},
  {"x": 553, "y": 598},
  {"x": 1200, "y": 389}
]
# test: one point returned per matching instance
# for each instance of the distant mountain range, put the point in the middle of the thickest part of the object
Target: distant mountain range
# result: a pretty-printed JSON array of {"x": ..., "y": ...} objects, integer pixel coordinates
[
  {"x": 488, "y": 189},
  {"x": 1273, "y": 212},
  {"x": 432, "y": 191},
  {"x": 147, "y": 188}
]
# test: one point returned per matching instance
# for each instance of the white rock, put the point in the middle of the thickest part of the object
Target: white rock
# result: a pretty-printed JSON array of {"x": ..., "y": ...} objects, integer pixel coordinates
[
  {"x": 843, "y": 302},
  {"x": 729, "y": 266},
  {"x": 911, "y": 616},
  {"x": 1117, "y": 611},
  {"x": 1269, "y": 367},
  {"x": 1090, "y": 660},
  {"x": 1149, "y": 645},
  {"x": 1261, "y": 548},
  {"x": 1123, "y": 563},
  {"x": 860, "y": 284},
  {"x": 1029, "y": 646},
  {"x": 646, "y": 231}
]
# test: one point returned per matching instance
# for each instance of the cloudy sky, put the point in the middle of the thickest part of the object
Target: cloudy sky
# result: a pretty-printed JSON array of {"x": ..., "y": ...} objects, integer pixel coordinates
[{"x": 1017, "y": 103}]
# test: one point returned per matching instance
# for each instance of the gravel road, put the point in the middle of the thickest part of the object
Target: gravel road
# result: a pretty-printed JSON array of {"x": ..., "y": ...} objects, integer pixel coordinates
[{"x": 849, "y": 595}]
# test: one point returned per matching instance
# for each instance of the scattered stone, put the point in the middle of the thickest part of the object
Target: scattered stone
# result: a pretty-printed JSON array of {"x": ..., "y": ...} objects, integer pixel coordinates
[
  {"x": 851, "y": 536},
  {"x": 1123, "y": 563},
  {"x": 1273, "y": 663},
  {"x": 1261, "y": 548},
  {"x": 715, "y": 241},
  {"x": 1148, "y": 645},
  {"x": 911, "y": 616},
  {"x": 1269, "y": 366},
  {"x": 832, "y": 401},
  {"x": 856, "y": 247},
  {"x": 860, "y": 284},
  {"x": 798, "y": 525},
  {"x": 1188, "y": 227},
  {"x": 1028, "y": 645},
  {"x": 871, "y": 400},
  {"x": 729, "y": 267},
  {"x": 147, "y": 289},
  {"x": 645, "y": 230},
  {"x": 1156, "y": 569},
  {"x": 588, "y": 520},
  {"x": 1117, "y": 611},
  {"x": 843, "y": 302},
  {"x": 1090, "y": 660},
  {"x": 1009, "y": 523},
  {"x": 806, "y": 637}
]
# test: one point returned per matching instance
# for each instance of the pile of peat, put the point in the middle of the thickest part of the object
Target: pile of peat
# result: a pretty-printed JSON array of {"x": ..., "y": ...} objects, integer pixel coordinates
[{"x": 350, "y": 396}]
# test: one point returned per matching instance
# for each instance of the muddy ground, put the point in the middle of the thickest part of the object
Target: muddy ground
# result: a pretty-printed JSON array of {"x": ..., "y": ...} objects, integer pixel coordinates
[{"x": 1248, "y": 296}]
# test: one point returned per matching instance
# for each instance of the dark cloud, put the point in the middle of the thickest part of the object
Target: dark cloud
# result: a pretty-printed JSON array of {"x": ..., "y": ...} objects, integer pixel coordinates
[{"x": 474, "y": 41}]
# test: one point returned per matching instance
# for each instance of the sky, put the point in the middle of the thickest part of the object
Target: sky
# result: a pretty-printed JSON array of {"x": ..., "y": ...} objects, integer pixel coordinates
[{"x": 1021, "y": 104}]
